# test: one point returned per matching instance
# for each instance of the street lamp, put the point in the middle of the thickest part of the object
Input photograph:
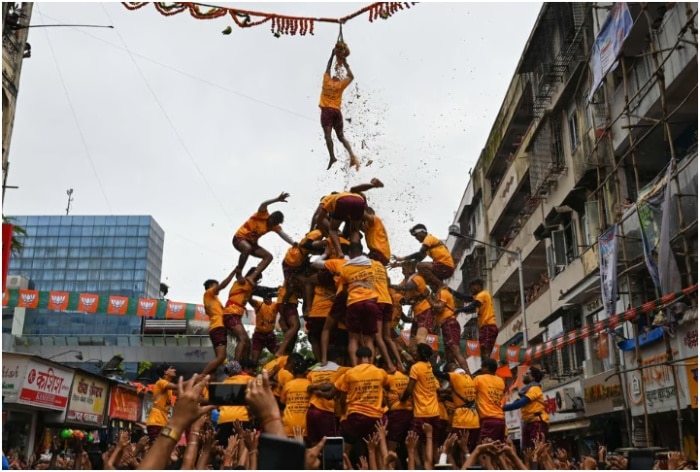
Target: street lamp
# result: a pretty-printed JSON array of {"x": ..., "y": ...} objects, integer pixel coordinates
[
  {"x": 454, "y": 231},
  {"x": 78, "y": 356}
]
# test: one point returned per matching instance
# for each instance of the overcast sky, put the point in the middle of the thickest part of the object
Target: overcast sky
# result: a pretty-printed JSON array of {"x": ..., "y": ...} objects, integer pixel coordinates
[{"x": 165, "y": 116}]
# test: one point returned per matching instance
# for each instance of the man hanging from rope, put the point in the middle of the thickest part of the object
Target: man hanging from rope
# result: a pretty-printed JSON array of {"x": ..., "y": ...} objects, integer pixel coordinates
[{"x": 331, "y": 97}]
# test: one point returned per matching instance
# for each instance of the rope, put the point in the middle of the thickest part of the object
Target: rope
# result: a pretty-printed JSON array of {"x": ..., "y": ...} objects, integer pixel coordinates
[{"x": 279, "y": 24}]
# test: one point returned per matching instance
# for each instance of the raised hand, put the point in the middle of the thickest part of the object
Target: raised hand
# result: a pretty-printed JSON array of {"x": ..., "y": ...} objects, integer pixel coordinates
[
  {"x": 364, "y": 465},
  {"x": 299, "y": 433},
  {"x": 313, "y": 455},
  {"x": 411, "y": 440},
  {"x": 450, "y": 443},
  {"x": 464, "y": 442},
  {"x": 283, "y": 197},
  {"x": 674, "y": 460},
  {"x": 187, "y": 408}
]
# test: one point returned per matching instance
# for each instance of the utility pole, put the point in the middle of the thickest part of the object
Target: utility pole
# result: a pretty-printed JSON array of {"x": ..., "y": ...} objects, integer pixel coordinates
[{"x": 69, "y": 192}]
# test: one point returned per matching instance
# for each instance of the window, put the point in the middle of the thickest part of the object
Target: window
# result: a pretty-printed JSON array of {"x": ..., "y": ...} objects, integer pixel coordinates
[
  {"x": 564, "y": 246},
  {"x": 590, "y": 223},
  {"x": 573, "y": 130},
  {"x": 557, "y": 146}
]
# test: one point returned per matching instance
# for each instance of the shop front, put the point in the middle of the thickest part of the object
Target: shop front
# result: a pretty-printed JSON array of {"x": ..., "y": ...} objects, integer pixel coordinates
[
  {"x": 604, "y": 403},
  {"x": 32, "y": 388},
  {"x": 567, "y": 421}
]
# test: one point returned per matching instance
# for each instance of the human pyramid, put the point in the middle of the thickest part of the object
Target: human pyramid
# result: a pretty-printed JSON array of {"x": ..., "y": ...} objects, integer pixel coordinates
[{"x": 363, "y": 373}]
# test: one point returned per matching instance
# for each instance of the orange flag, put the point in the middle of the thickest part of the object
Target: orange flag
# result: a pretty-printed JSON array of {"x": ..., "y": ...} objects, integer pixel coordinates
[
  {"x": 87, "y": 302},
  {"x": 58, "y": 301},
  {"x": 117, "y": 305},
  {"x": 28, "y": 299},
  {"x": 147, "y": 307}
]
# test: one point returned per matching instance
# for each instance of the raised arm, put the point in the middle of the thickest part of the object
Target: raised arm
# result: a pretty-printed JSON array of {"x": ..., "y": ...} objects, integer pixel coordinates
[
  {"x": 224, "y": 283},
  {"x": 374, "y": 183},
  {"x": 330, "y": 62},
  {"x": 286, "y": 238},
  {"x": 350, "y": 75},
  {"x": 281, "y": 198}
]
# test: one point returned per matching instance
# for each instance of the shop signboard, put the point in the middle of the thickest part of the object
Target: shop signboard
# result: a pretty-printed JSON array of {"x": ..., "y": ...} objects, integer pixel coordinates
[
  {"x": 602, "y": 394},
  {"x": 564, "y": 403},
  {"x": 124, "y": 405},
  {"x": 14, "y": 369},
  {"x": 45, "y": 386},
  {"x": 88, "y": 398}
]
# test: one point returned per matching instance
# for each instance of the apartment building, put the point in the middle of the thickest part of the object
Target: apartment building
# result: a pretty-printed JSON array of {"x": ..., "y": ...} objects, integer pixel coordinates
[{"x": 566, "y": 163}]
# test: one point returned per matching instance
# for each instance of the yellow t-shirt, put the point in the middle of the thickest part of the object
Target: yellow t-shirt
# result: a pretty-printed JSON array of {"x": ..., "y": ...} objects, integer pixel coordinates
[
  {"x": 329, "y": 201},
  {"x": 332, "y": 92},
  {"x": 255, "y": 227},
  {"x": 486, "y": 314},
  {"x": 317, "y": 377},
  {"x": 396, "y": 298},
  {"x": 311, "y": 236},
  {"x": 442, "y": 411},
  {"x": 438, "y": 251},
  {"x": 489, "y": 396},
  {"x": 296, "y": 398},
  {"x": 162, "y": 400},
  {"x": 419, "y": 294},
  {"x": 294, "y": 257},
  {"x": 397, "y": 385},
  {"x": 213, "y": 308},
  {"x": 282, "y": 291},
  {"x": 377, "y": 237},
  {"x": 445, "y": 296},
  {"x": 425, "y": 398},
  {"x": 238, "y": 296},
  {"x": 364, "y": 385},
  {"x": 529, "y": 412},
  {"x": 281, "y": 362},
  {"x": 322, "y": 302},
  {"x": 381, "y": 283},
  {"x": 465, "y": 417},
  {"x": 231, "y": 413},
  {"x": 265, "y": 316},
  {"x": 359, "y": 280}
]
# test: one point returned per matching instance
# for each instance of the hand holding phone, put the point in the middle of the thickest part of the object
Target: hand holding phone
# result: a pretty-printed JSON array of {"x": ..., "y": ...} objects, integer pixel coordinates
[
  {"x": 223, "y": 393},
  {"x": 332, "y": 455}
]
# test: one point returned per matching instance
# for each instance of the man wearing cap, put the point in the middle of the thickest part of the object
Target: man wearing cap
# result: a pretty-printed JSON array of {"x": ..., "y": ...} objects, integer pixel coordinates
[
  {"x": 531, "y": 403},
  {"x": 442, "y": 267}
]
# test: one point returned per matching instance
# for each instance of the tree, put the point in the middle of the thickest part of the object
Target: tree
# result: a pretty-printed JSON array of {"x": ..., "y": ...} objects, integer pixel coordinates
[{"x": 18, "y": 233}]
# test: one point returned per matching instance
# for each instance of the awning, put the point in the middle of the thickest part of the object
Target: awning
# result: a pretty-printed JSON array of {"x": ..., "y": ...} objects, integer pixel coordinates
[
  {"x": 569, "y": 425},
  {"x": 583, "y": 290}
]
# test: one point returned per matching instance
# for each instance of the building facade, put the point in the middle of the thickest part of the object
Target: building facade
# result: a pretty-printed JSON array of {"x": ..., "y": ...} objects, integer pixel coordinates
[{"x": 566, "y": 163}]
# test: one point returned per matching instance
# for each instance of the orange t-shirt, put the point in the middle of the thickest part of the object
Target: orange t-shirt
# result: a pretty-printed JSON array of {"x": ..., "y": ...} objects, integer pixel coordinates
[
  {"x": 282, "y": 291},
  {"x": 419, "y": 294},
  {"x": 322, "y": 302},
  {"x": 213, "y": 308},
  {"x": 295, "y": 397},
  {"x": 364, "y": 385},
  {"x": 381, "y": 283},
  {"x": 265, "y": 316},
  {"x": 465, "y": 417},
  {"x": 359, "y": 280},
  {"x": 294, "y": 256},
  {"x": 317, "y": 377},
  {"x": 489, "y": 396},
  {"x": 332, "y": 92},
  {"x": 329, "y": 201},
  {"x": 229, "y": 414},
  {"x": 425, "y": 398},
  {"x": 376, "y": 235},
  {"x": 396, "y": 298},
  {"x": 162, "y": 400},
  {"x": 238, "y": 296},
  {"x": 530, "y": 411},
  {"x": 438, "y": 251},
  {"x": 255, "y": 227},
  {"x": 281, "y": 362},
  {"x": 445, "y": 296},
  {"x": 486, "y": 314},
  {"x": 397, "y": 385}
]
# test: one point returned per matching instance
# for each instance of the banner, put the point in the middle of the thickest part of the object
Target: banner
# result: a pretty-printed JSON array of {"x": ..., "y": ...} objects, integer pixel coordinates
[
  {"x": 607, "y": 250},
  {"x": 88, "y": 397},
  {"x": 608, "y": 44},
  {"x": 669, "y": 275},
  {"x": 45, "y": 386},
  {"x": 124, "y": 405}
]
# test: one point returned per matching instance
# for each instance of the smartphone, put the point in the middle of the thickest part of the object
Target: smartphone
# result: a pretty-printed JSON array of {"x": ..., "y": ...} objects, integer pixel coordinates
[
  {"x": 442, "y": 467},
  {"x": 641, "y": 459},
  {"x": 221, "y": 393},
  {"x": 278, "y": 453},
  {"x": 332, "y": 454}
]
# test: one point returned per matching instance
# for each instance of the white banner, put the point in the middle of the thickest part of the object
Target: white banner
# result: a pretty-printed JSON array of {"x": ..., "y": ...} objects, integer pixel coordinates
[
  {"x": 608, "y": 44},
  {"x": 14, "y": 369},
  {"x": 46, "y": 386},
  {"x": 607, "y": 248}
]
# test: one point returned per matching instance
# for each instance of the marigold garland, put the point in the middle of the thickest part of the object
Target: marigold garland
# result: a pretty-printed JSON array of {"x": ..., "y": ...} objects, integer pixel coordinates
[{"x": 279, "y": 24}]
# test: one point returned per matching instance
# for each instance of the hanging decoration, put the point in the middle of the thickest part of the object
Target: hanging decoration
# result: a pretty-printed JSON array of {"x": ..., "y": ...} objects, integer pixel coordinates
[
  {"x": 166, "y": 309},
  {"x": 279, "y": 24}
]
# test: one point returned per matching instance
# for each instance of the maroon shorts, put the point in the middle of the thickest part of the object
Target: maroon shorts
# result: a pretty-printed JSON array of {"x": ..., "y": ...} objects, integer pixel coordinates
[
  {"x": 451, "y": 332},
  {"x": 417, "y": 425},
  {"x": 289, "y": 311},
  {"x": 153, "y": 432},
  {"x": 442, "y": 271},
  {"x": 487, "y": 338},
  {"x": 265, "y": 340},
  {"x": 387, "y": 312},
  {"x": 291, "y": 271},
  {"x": 320, "y": 423},
  {"x": 492, "y": 428},
  {"x": 399, "y": 425},
  {"x": 356, "y": 427},
  {"x": 218, "y": 336},
  {"x": 339, "y": 309},
  {"x": 315, "y": 326},
  {"x": 231, "y": 321},
  {"x": 473, "y": 436},
  {"x": 350, "y": 208},
  {"x": 237, "y": 239},
  {"x": 425, "y": 320},
  {"x": 361, "y": 317},
  {"x": 378, "y": 256},
  {"x": 531, "y": 431},
  {"x": 325, "y": 278},
  {"x": 332, "y": 118}
]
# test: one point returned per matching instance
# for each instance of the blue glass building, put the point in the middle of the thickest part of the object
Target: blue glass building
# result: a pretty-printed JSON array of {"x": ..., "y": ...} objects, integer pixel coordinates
[{"x": 106, "y": 255}]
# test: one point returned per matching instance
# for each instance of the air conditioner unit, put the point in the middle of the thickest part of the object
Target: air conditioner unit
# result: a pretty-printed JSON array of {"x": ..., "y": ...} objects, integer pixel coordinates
[
  {"x": 567, "y": 400},
  {"x": 17, "y": 282}
]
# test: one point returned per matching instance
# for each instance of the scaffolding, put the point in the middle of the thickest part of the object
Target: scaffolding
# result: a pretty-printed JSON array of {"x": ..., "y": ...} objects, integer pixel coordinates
[{"x": 614, "y": 171}]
